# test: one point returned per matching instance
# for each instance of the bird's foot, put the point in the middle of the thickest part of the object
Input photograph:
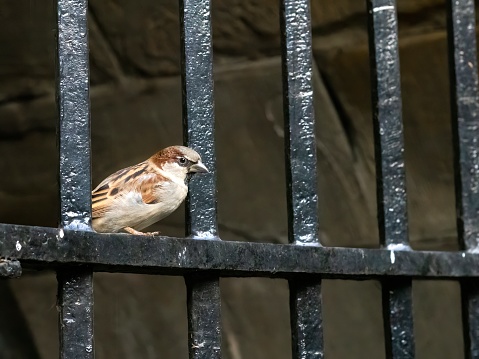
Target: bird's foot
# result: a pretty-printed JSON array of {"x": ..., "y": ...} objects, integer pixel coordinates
[{"x": 134, "y": 231}]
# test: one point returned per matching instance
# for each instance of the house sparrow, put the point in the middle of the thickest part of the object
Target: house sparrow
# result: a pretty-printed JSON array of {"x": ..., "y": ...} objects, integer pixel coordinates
[{"x": 136, "y": 197}]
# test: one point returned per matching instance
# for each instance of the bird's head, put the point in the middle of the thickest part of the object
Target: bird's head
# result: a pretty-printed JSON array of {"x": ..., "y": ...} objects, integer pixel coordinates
[{"x": 179, "y": 161}]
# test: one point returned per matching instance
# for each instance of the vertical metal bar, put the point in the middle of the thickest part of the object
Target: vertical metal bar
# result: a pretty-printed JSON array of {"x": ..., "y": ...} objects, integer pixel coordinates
[
  {"x": 301, "y": 174},
  {"x": 470, "y": 317},
  {"x": 299, "y": 122},
  {"x": 75, "y": 299},
  {"x": 465, "y": 125},
  {"x": 397, "y": 312},
  {"x": 465, "y": 117},
  {"x": 75, "y": 287},
  {"x": 306, "y": 318},
  {"x": 204, "y": 317},
  {"x": 390, "y": 173},
  {"x": 388, "y": 130},
  {"x": 204, "y": 311}
]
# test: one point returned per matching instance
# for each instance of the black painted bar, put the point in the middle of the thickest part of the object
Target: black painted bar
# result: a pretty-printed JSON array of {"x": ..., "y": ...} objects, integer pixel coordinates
[
  {"x": 301, "y": 174},
  {"x": 390, "y": 173},
  {"x": 75, "y": 287},
  {"x": 198, "y": 113},
  {"x": 300, "y": 143},
  {"x": 75, "y": 298},
  {"x": 465, "y": 117},
  {"x": 397, "y": 304},
  {"x": 306, "y": 318},
  {"x": 42, "y": 247},
  {"x": 10, "y": 268},
  {"x": 204, "y": 316},
  {"x": 465, "y": 124},
  {"x": 470, "y": 317},
  {"x": 388, "y": 130},
  {"x": 204, "y": 305}
]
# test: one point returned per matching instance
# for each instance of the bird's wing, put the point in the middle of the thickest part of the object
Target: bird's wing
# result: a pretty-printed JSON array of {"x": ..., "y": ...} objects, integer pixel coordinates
[
  {"x": 148, "y": 189},
  {"x": 139, "y": 178}
]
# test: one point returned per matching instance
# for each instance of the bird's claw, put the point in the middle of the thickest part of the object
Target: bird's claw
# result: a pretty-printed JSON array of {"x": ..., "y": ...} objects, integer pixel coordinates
[
  {"x": 138, "y": 233},
  {"x": 155, "y": 233}
]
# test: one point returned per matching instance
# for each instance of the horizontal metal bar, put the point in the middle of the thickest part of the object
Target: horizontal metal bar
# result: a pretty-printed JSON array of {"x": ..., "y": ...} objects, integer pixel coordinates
[
  {"x": 10, "y": 268},
  {"x": 43, "y": 247}
]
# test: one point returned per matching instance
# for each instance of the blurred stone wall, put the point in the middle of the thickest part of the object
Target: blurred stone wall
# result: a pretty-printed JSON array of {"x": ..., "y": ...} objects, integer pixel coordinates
[{"x": 136, "y": 109}]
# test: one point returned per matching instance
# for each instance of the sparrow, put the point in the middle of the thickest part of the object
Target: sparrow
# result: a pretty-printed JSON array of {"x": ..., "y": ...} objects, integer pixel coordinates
[{"x": 135, "y": 197}]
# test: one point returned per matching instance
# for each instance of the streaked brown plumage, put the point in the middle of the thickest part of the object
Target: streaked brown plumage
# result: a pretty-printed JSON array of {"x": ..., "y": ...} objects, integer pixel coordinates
[{"x": 138, "y": 196}]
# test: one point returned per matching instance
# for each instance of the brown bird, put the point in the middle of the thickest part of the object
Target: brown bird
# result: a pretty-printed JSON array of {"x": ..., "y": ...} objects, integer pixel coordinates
[{"x": 138, "y": 196}]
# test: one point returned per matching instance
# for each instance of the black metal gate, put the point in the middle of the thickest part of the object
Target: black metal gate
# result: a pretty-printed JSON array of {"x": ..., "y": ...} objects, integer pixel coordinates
[{"x": 75, "y": 251}]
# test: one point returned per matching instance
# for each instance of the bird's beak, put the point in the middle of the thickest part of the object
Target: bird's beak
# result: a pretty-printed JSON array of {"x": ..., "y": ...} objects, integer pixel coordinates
[{"x": 198, "y": 167}]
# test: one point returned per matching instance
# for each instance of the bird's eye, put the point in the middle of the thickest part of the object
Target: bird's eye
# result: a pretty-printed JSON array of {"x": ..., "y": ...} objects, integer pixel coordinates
[{"x": 182, "y": 161}]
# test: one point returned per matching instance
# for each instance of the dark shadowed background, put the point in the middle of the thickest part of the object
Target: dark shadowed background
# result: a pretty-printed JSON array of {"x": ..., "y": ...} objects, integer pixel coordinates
[{"x": 136, "y": 110}]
